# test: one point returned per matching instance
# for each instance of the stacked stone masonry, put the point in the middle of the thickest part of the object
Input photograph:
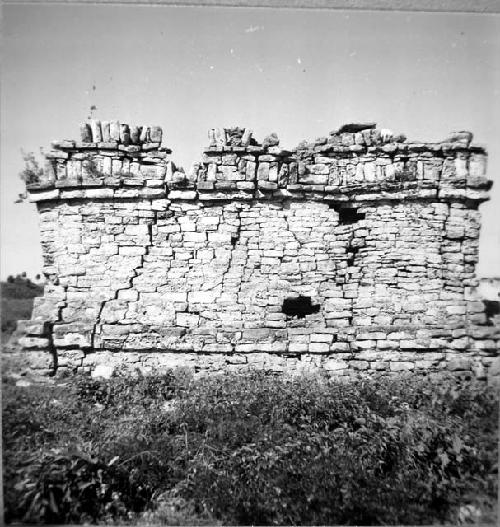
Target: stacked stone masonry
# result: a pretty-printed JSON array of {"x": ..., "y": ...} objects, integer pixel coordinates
[{"x": 354, "y": 252}]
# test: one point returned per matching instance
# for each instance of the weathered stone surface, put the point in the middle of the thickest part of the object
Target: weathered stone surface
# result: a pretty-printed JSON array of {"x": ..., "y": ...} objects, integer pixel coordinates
[
  {"x": 85, "y": 133},
  {"x": 101, "y": 371},
  {"x": 114, "y": 130},
  {"x": 355, "y": 127},
  {"x": 95, "y": 126},
  {"x": 124, "y": 134},
  {"x": 135, "y": 134},
  {"x": 374, "y": 242},
  {"x": 156, "y": 134},
  {"x": 271, "y": 140},
  {"x": 105, "y": 130}
]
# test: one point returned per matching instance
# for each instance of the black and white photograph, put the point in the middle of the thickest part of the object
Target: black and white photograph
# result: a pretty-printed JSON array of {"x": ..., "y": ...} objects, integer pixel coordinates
[{"x": 250, "y": 263}]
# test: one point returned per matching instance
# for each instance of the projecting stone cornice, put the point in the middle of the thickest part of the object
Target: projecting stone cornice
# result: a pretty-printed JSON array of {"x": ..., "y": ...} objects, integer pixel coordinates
[{"x": 355, "y": 162}]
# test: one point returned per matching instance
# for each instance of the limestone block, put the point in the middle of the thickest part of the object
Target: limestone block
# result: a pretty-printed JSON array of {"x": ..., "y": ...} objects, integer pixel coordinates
[
  {"x": 95, "y": 126},
  {"x": 319, "y": 347},
  {"x": 149, "y": 192},
  {"x": 34, "y": 343},
  {"x": 271, "y": 140},
  {"x": 475, "y": 195},
  {"x": 31, "y": 328},
  {"x": 105, "y": 130},
  {"x": 103, "y": 371},
  {"x": 70, "y": 358},
  {"x": 477, "y": 165},
  {"x": 263, "y": 171},
  {"x": 195, "y": 237},
  {"x": 347, "y": 138},
  {"x": 135, "y": 134},
  {"x": 267, "y": 185},
  {"x": 106, "y": 166},
  {"x": 116, "y": 167},
  {"x": 458, "y": 364},
  {"x": 37, "y": 360},
  {"x": 154, "y": 183},
  {"x": 145, "y": 135},
  {"x": 402, "y": 366},
  {"x": 44, "y": 195},
  {"x": 222, "y": 238},
  {"x": 369, "y": 170},
  {"x": 247, "y": 137},
  {"x": 188, "y": 320},
  {"x": 273, "y": 171},
  {"x": 99, "y": 193},
  {"x": 212, "y": 172},
  {"x": 72, "y": 335},
  {"x": 315, "y": 179},
  {"x": 124, "y": 134},
  {"x": 212, "y": 139},
  {"x": 86, "y": 133},
  {"x": 126, "y": 192},
  {"x": 114, "y": 130},
  {"x": 182, "y": 194},
  {"x": 130, "y": 250},
  {"x": 61, "y": 172},
  {"x": 156, "y": 134},
  {"x": 137, "y": 230},
  {"x": 359, "y": 364},
  {"x": 201, "y": 297}
]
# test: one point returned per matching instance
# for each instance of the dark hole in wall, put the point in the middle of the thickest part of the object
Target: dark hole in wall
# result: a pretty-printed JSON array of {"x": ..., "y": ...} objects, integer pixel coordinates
[
  {"x": 352, "y": 255},
  {"x": 234, "y": 240},
  {"x": 409, "y": 171},
  {"x": 299, "y": 306},
  {"x": 491, "y": 308},
  {"x": 470, "y": 204},
  {"x": 347, "y": 215}
]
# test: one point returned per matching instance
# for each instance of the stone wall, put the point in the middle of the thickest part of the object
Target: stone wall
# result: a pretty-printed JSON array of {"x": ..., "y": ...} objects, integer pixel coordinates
[{"x": 353, "y": 252}]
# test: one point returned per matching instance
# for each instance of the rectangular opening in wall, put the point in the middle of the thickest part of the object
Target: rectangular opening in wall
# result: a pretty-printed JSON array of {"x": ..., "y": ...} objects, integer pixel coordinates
[
  {"x": 299, "y": 306},
  {"x": 491, "y": 309},
  {"x": 347, "y": 215}
]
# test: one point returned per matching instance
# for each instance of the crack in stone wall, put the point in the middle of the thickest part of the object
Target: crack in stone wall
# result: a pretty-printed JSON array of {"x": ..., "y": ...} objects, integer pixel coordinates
[{"x": 135, "y": 273}]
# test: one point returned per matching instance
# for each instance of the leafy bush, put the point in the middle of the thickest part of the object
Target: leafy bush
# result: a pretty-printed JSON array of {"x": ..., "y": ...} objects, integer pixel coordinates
[
  {"x": 249, "y": 449},
  {"x": 66, "y": 487},
  {"x": 330, "y": 453},
  {"x": 32, "y": 171}
]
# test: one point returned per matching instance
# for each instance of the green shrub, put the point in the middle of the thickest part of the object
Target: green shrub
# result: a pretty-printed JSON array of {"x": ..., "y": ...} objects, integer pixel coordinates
[
  {"x": 249, "y": 449},
  {"x": 66, "y": 487},
  {"x": 32, "y": 171},
  {"x": 328, "y": 453}
]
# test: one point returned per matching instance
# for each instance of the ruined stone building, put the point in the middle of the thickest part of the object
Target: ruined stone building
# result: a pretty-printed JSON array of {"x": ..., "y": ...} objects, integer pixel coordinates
[{"x": 354, "y": 252}]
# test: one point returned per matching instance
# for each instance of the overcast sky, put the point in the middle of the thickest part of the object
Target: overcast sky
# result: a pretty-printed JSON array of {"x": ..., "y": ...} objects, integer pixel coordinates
[{"x": 299, "y": 73}]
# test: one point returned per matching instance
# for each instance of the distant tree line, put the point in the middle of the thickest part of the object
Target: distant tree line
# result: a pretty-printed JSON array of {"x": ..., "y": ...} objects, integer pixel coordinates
[{"x": 21, "y": 278}]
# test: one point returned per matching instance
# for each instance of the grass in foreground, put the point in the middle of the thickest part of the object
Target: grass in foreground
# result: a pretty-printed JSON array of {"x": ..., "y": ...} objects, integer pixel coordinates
[{"x": 250, "y": 449}]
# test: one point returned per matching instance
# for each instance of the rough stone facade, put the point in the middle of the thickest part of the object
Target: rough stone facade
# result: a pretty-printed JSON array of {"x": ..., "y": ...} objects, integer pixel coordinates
[{"x": 355, "y": 252}]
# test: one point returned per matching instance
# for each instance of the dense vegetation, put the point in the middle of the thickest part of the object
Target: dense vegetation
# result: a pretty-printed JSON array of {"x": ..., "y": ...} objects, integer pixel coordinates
[
  {"x": 17, "y": 301},
  {"x": 251, "y": 449}
]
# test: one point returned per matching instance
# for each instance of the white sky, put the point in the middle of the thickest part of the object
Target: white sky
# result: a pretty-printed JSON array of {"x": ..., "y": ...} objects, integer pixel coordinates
[{"x": 299, "y": 73}]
